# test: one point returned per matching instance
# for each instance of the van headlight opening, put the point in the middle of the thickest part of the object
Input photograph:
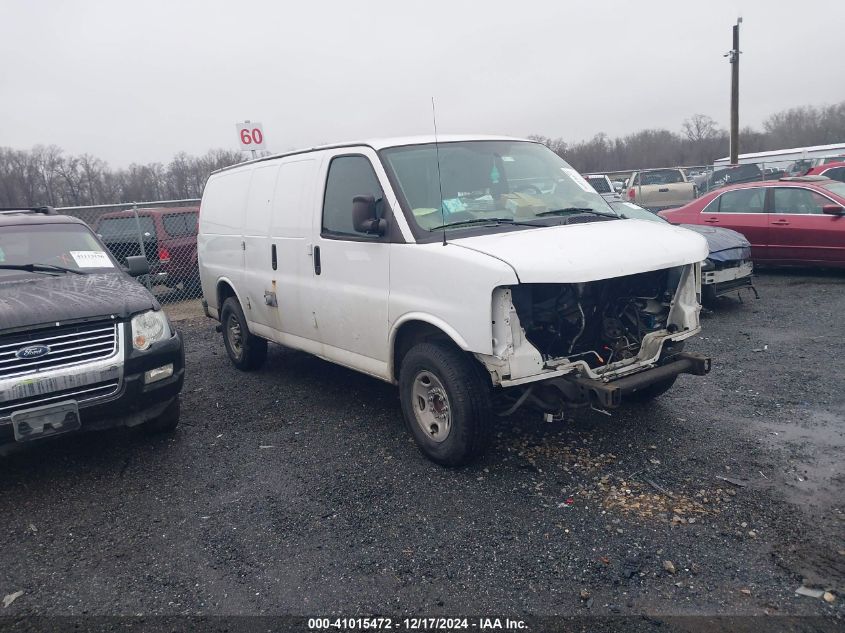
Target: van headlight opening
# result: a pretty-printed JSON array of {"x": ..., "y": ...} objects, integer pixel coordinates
[{"x": 148, "y": 328}]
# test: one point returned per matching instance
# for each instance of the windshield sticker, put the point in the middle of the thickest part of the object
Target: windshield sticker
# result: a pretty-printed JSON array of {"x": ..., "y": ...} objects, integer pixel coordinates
[
  {"x": 578, "y": 178},
  {"x": 453, "y": 205},
  {"x": 91, "y": 259},
  {"x": 507, "y": 159}
]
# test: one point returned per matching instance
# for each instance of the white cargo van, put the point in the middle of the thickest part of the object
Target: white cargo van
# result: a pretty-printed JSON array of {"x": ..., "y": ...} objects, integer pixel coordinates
[{"x": 480, "y": 274}]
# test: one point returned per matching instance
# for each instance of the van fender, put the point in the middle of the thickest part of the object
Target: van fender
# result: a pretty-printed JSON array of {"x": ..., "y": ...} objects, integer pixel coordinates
[
  {"x": 234, "y": 288},
  {"x": 423, "y": 317}
]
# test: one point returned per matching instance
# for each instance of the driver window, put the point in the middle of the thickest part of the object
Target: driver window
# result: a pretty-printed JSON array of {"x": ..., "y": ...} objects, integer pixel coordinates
[
  {"x": 793, "y": 200},
  {"x": 349, "y": 176}
]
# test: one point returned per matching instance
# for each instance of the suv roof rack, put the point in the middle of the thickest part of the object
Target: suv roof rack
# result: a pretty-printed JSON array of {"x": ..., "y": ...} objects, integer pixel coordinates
[
  {"x": 45, "y": 210},
  {"x": 804, "y": 178}
]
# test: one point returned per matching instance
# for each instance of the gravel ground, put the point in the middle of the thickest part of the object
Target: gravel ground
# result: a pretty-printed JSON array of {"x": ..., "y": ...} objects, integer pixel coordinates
[{"x": 296, "y": 490}]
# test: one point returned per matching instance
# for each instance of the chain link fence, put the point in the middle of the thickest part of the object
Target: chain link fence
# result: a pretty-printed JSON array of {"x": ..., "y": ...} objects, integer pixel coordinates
[{"x": 164, "y": 232}]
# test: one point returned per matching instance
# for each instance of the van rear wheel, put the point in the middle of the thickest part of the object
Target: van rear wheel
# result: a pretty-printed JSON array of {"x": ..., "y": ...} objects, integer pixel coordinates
[
  {"x": 445, "y": 403},
  {"x": 246, "y": 351}
]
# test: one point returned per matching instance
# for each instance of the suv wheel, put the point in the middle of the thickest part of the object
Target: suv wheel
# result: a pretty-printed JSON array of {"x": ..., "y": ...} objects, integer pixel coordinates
[
  {"x": 445, "y": 403},
  {"x": 246, "y": 351}
]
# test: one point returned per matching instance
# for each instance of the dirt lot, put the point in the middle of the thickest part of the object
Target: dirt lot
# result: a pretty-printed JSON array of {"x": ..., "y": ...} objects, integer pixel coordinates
[{"x": 296, "y": 489}]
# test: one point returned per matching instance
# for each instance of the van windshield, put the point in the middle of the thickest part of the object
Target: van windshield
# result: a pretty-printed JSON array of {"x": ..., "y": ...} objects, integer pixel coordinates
[{"x": 500, "y": 181}]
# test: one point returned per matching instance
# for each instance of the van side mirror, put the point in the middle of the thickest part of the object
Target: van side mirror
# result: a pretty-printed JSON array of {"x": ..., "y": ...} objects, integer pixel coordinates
[
  {"x": 364, "y": 217},
  {"x": 137, "y": 265},
  {"x": 833, "y": 209}
]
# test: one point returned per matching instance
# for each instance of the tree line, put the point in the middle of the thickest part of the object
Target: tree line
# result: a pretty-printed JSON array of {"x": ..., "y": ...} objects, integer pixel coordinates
[
  {"x": 46, "y": 175},
  {"x": 701, "y": 141}
]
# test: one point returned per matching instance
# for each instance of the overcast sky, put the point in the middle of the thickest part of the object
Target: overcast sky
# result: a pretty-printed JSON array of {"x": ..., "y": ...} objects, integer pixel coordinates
[{"x": 139, "y": 80}]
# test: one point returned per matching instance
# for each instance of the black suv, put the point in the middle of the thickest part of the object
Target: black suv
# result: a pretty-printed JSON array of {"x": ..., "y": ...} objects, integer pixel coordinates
[{"x": 83, "y": 346}]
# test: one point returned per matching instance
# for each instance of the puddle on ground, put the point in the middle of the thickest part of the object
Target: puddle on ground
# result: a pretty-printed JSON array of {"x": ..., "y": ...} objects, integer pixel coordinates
[{"x": 813, "y": 471}]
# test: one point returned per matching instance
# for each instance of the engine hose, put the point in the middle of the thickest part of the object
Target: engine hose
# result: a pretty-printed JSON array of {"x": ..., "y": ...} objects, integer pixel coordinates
[{"x": 581, "y": 331}]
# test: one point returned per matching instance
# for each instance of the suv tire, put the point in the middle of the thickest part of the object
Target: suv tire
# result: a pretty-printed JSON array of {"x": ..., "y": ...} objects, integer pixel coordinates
[
  {"x": 246, "y": 351},
  {"x": 445, "y": 403}
]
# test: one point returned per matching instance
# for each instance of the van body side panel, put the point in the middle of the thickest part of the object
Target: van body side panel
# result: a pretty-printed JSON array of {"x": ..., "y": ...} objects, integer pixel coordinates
[
  {"x": 257, "y": 251},
  {"x": 450, "y": 283},
  {"x": 220, "y": 241}
]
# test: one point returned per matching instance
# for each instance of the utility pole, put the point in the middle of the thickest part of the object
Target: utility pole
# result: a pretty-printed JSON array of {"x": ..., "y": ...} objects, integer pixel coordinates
[{"x": 733, "y": 57}]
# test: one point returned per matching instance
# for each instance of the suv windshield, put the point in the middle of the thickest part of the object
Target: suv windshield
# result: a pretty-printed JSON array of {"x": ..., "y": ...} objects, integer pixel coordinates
[
  {"x": 51, "y": 247},
  {"x": 499, "y": 181}
]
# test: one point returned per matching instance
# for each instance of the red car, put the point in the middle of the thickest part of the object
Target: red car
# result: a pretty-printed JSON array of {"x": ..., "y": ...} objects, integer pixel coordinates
[
  {"x": 169, "y": 237},
  {"x": 797, "y": 220},
  {"x": 834, "y": 171}
]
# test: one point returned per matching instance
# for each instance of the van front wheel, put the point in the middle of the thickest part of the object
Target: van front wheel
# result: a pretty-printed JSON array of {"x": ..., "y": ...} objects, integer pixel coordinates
[
  {"x": 445, "y": 403},
  {"x": 246, "y": 351}
]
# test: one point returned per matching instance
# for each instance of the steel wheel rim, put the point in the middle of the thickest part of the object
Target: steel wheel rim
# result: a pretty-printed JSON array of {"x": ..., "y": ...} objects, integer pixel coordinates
[
  {"x": 235, "y": 336},
  {"x": 431, "y": 406}
]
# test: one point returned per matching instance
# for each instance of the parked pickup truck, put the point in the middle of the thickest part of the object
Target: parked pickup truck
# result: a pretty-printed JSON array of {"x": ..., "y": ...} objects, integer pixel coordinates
[{"x": 660, "y": 188}]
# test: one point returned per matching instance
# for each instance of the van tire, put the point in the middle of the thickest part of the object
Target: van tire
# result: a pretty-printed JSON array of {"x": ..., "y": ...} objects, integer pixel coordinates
[
  {"x": 246, "y": 351},
  {"x": 167, "y": 421},
  {"x": 659, "y": 388},
  {"x": 652, "y": 391},
  {"x": 432, "y": 370}
]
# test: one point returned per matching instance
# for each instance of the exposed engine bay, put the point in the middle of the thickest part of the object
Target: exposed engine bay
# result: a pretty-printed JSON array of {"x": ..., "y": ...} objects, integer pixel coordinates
[
  {"x": 567, "y": 345},
  {"x": 599, "y": 322}
]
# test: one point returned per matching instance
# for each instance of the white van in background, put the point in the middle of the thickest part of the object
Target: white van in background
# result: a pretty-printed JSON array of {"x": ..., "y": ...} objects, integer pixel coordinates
[{"x": 480, "y": 274}]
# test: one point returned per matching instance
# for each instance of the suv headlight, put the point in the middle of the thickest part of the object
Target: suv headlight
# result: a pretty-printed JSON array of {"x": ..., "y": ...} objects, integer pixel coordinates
[{"x": 148, "y": 328}]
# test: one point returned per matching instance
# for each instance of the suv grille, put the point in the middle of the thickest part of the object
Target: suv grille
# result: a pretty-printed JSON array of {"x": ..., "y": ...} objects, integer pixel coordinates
[
  {"x": 80, "y": 394},
  {"x": 66, "y": 345}
]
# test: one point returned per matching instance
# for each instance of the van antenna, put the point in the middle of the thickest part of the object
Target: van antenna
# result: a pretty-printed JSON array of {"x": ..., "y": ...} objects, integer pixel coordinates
[{"x": 439, "y": 180}]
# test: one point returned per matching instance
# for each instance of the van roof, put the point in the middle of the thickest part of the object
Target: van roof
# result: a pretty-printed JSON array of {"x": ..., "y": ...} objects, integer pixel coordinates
[{"x": 383, "y": 143}]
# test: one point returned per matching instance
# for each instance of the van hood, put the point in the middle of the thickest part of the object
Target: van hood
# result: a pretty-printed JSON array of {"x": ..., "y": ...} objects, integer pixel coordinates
[
  {"x": 28, "y": 300},
  {"x": 576, "y": 253}
]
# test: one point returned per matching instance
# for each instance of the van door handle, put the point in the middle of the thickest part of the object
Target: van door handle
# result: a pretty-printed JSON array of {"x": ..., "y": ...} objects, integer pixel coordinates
[
  {"x": 712, "y": 220},
  {"x": 273, "y": 260},
  {"x": 317, "y": 268},
  {"x": 780, "y": 222},
  {"x": 664, "y": 190}
]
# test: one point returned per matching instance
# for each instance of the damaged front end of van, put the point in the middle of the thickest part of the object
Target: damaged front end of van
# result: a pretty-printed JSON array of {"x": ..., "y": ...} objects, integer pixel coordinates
[{"x": 558, "y": 346}]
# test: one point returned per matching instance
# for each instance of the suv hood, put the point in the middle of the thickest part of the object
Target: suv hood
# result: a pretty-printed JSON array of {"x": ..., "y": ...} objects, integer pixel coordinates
[
  {"x": 34, "y": 299},
  {"x": 576, "y": 253}
]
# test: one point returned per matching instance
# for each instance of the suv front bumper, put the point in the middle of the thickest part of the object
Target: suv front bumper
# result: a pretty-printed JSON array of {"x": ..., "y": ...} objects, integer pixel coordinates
[{"x": 134, "y": 400}]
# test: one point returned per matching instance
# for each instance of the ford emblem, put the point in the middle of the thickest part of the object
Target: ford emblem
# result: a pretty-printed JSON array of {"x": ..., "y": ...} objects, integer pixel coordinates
[{"x": 32, "y": 351}]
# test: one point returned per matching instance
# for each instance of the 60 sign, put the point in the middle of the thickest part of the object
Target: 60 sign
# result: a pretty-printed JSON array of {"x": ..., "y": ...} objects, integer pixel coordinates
[{"x": 250, "y": 135}]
